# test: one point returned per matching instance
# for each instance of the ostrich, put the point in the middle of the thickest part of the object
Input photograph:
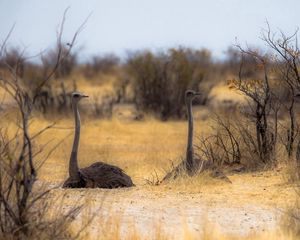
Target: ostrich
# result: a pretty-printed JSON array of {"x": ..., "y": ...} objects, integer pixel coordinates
[
  {"x": 190, "y": 163},
  {"x": 99, "y": 174},
  {"x": 194, "y": 165}
]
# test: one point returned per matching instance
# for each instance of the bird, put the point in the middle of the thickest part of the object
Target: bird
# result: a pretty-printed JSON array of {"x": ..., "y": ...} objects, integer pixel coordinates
[
  {"x": 97, "y": 175},
  {"x": 197, "y": 165},
  {"x": 189, "y": 96},
  {"x": 190, "y": 164}
]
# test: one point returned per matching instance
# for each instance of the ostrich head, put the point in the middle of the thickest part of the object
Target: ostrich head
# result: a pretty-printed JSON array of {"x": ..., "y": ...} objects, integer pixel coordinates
[
  {"x": 77, "y": 96},
  {"x": 191, "y": 94}
]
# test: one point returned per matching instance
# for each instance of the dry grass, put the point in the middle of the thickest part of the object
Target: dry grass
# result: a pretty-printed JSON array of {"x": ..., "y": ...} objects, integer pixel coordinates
[
  {"x": 143, "y": 149},
  {"x": 140, "y": 148}
]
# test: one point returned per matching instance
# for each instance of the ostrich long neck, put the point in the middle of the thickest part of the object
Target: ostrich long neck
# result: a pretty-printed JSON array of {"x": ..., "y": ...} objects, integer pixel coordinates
[
  {"x": 189, "y": 150},
  {"x": 73, "y": 165}
]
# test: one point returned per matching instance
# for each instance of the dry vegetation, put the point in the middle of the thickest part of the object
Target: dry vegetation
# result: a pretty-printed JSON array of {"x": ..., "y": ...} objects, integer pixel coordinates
[
  {"x": 152, "y": 209},
  {"x": 135, "y": 119}
]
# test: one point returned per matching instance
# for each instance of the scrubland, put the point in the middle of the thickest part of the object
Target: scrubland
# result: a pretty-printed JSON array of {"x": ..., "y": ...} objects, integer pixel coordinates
[
  {"x": 252, "y": 207},
  {"x": 245, "y": 122}
]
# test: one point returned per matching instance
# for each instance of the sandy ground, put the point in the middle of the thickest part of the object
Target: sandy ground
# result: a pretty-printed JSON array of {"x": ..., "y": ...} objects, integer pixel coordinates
[{"x": 252, "y": 203}]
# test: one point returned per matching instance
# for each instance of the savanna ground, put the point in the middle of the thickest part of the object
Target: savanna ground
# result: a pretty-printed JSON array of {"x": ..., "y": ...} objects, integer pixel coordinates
[
  {"x": 135, "y": 119},
  {"x": 252, "y": 207}
]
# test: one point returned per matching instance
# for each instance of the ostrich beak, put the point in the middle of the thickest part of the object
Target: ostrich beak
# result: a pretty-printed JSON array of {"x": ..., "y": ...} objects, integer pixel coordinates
[
  {"x": 85, "y": 96},
  {"x": 198, "y": 94}
]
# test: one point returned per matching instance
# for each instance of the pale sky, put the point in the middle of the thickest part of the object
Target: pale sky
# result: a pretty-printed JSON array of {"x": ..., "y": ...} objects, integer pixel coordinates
[{"x": 121, "y": 25}]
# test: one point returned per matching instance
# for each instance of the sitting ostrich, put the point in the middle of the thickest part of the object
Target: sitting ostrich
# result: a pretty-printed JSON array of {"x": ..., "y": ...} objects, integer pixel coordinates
[
  {"x": 191, "y": 164},
  {"x": 99, "y": 174}
]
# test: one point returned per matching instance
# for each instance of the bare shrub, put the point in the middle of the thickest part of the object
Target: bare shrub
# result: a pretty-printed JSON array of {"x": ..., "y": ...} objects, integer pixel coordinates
[
  {"x": 24, "y": 210},
  {"x": 233, "y": 61},
  {"x": 274, "y": 90},
  {"x": 261, "y": 104},
  {"x": 14, "y": 59},
  {"x": 271, "y": 83},
  {"x": 21, "y": 211},
  {"x": 232, "y": 143},
  {"x": 101, "y": 64},
  {"x": 160, "y": 80},
  {"x": 286, "y": 56},
  {"x": 65, "y": 68},
  {"x": 222, "y": 147}
]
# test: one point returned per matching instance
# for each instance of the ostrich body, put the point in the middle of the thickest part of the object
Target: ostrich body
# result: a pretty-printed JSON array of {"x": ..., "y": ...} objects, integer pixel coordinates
[{"x": 99, "y": 174}]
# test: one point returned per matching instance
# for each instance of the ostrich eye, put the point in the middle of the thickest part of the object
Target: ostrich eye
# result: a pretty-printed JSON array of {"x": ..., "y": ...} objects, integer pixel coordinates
[{"x": 76, "y": 95}]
